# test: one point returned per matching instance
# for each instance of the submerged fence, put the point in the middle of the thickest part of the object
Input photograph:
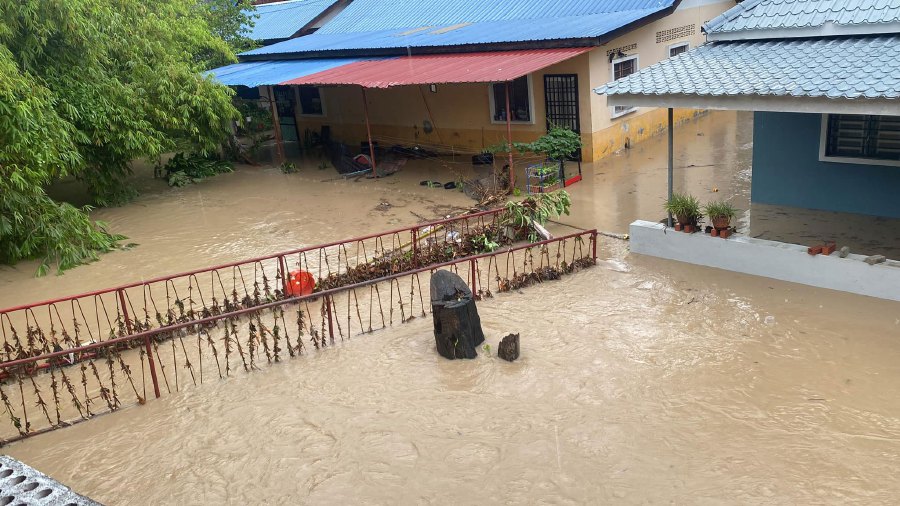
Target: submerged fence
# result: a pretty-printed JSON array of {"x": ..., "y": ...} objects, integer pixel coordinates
[{"x": 69, "y": 366}]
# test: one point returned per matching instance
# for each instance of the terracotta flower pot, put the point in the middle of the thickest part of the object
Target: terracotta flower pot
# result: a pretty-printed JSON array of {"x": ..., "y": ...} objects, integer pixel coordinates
[{"x": 721, "y": 222}]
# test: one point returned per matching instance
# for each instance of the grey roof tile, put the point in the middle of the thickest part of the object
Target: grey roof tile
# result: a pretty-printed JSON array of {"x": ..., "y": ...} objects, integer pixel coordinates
[
  {"x": 780, "y": 14},
  {"x": 847, "y": 68}
]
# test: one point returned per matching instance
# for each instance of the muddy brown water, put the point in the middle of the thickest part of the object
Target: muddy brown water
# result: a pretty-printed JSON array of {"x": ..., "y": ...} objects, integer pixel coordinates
[{"x": 641, "y": 380}]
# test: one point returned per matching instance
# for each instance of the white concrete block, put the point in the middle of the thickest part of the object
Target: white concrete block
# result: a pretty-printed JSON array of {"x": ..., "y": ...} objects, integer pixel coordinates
[{"x": 771, "y": 259}]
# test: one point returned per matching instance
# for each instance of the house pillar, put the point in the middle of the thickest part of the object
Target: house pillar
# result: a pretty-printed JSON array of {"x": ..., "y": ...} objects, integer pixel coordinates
[
  {"x": 369, "y": 132},
  {"x": 512, "y": 173},
  {"x": 671, "y": 158},
  {"x": 279, "y": 144}
]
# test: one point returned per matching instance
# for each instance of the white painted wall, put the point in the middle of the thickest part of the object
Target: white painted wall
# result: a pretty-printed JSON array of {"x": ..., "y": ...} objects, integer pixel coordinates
[{"x": 771, "y": 259}]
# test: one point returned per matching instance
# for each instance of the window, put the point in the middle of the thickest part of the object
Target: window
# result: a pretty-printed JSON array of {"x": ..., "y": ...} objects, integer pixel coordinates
[
  {"x": 311, "y": 101},
  {"x": 519, "y": 101},
  {"x": 677, "y": 49},
  {"x": 862, "y": 138},
  {"x": 623, "y": 67}
]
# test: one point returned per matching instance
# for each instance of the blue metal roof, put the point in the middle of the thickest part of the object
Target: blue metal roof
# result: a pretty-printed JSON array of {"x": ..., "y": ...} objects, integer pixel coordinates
[
  {"x": 263, "y": 73},
  {"x": 838, "y": 68},
  {"x": 380, "y": 15},
  {"x": 484, "y": 32},
  {"x": 782, "y": 14},
  {"x": 281, "y": 20}
]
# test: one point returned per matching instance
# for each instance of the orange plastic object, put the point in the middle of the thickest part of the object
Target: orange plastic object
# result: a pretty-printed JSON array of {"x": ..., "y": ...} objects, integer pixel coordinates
[{"x": 300, "y": 283}]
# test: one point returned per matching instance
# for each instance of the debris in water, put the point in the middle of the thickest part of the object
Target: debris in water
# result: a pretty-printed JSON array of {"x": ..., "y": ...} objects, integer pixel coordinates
[
  {"x": 769, "y": 320},
  {"x": 457, "y": 327},
  {"x": 509, "y": 348}
]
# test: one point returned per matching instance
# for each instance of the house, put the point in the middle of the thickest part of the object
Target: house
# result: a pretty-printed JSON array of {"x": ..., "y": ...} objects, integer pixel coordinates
[
  {"x": 440, "y": 73},
  {"x": 823, "y": 80}
]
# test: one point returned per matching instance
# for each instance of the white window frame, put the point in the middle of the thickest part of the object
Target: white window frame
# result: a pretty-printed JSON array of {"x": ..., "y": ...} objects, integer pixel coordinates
[
  {"x": 670, "y": 47},
  {"x": 493, "y": 106},
  {"x": 300, "y": 104},
  {"x": 612, "y": 78},
  {"x": 823, "y": 145}
]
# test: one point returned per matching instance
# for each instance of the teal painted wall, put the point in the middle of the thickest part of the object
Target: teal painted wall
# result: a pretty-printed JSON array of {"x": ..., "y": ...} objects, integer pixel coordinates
[{"x": 787, "y": 170}]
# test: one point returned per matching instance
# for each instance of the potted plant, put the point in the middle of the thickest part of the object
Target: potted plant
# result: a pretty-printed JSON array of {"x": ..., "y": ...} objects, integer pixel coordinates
[
  {"x": 543, "y": 177},
  {"x": 556, "y": 145},
  {"x": 720, "y": 213},
  {"x": 686, "y": 209}
]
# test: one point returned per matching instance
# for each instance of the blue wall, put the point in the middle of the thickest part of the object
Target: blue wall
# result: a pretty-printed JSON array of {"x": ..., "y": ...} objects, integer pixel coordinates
[{"x": 787, "y": 170}]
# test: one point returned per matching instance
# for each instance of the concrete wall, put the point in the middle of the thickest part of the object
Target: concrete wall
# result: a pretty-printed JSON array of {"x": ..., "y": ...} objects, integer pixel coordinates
[
  {"x": 777, "y": 260},
  {"x": 787, "y": 170}
]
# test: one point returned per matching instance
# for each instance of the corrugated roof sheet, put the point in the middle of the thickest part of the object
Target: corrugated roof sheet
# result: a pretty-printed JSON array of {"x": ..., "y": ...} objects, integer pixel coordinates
[
  {"x": 263, "y": 73},
  {"x": 780, "y": 14},
  {"x": 281, "y": 20},
  {"x": 550, "y": 28},
  {"x": 844, "y": 68},
  {"x": 442, "y": 68},
  {"x": 379, "y": 15}
]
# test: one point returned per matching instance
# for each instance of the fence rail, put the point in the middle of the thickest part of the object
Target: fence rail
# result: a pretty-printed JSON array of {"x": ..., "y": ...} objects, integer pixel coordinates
[
  {"x": 44, "y": 387},
  {"x": 68, "y": 322}
]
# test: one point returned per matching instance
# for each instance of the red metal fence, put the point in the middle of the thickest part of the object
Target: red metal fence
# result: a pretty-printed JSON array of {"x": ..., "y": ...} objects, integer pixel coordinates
[
  {"x": 59, "y": 370},
  {"x": 98, "y": 316}
]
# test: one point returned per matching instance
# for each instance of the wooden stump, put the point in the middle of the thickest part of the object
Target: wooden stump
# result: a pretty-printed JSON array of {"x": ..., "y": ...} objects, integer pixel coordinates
[
  {"x": 509, "y": 348},
  {"x": 457, "y": 326}
]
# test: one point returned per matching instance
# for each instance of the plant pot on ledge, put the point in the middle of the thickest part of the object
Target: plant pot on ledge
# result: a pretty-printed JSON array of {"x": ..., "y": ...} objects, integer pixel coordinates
[
  {"x": 720, "y": 214},
  {"x": 686, "y": 208}
]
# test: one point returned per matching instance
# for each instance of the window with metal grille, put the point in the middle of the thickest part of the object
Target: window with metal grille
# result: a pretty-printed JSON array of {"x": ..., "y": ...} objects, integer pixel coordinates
[
  {"x": 623, "y": 67},
  {"x": 863, "y": 136},
  {"x": 519, "y": 100},
  {"x": 311, "y": 101},
  {"x": 677, "y": 49}
]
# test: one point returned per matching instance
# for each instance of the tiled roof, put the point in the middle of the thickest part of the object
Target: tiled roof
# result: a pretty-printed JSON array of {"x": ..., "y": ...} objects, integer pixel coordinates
[
  {"x": 838, "y": 68},
  {"x": 485, "y": 32},
  {"x": 782, "y": 14},
  {"x": 380, "y": 15},
  {"x": 283, "y": 19}
]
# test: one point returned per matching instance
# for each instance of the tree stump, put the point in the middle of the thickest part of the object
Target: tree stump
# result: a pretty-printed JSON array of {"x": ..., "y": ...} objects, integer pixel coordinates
[
  {"x": 509, "y": 348},
  {"x": 457, "y": 326}
]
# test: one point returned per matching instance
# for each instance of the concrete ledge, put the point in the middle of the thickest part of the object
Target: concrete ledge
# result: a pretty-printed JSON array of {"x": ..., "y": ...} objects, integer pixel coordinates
[
  {"x": 771, "y": 259},
  {"x": 22, "y": 484}
]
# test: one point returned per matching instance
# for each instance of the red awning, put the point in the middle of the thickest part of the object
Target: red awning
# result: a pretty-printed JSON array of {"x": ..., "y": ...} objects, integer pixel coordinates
[{"x": 490, "y": 67}]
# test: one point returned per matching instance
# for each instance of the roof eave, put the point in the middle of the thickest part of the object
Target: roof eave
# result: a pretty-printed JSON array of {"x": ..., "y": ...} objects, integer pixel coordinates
[
  {"x": 816, "y": 105},
  {"x": 404, "y": 51},
  {"x": 826, "y": 30}
]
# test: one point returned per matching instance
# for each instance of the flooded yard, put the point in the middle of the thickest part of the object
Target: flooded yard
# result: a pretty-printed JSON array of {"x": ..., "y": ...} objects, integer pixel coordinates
[{"x": 640, "y": 381}]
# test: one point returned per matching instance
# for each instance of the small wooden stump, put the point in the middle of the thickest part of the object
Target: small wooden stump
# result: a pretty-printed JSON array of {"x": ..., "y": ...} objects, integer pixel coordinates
[
  {"x": 509, "y": 348},
  {"x": 457, "y": 326}
]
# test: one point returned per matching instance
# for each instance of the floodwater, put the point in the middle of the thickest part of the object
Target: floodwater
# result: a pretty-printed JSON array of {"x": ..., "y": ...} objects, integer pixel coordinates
[{"x": 640, "y": 381}]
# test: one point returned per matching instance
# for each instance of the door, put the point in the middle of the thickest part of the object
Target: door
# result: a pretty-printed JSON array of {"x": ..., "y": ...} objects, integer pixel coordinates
[
  {"x": 561, "y": 101},
  {"x": 286, "y": 103}
]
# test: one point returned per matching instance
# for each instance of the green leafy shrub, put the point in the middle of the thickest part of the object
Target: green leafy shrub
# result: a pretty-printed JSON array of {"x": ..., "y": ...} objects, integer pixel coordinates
[{"x": 182, "y": 169}]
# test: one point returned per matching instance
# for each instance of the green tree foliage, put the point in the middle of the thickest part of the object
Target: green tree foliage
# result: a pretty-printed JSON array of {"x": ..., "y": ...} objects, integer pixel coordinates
[
  {"x": 87, "y": 86},
  {"x": 231, "y": 21}
]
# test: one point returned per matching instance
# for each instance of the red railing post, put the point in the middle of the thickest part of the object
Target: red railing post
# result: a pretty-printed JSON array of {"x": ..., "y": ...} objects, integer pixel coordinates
[
  {"x": 282, "y": 269},
  {"x": 124, "y": 311},
  {"x": 327, "y": 303},
  {"x": 474, "y": 284},
  {"x": 594, "y": 246},
  {"x": 152, "y": 366}
]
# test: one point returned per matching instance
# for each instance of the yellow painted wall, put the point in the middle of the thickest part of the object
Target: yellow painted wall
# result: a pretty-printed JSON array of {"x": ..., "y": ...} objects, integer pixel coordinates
[
  {"x": 461, "y": 113},
  {"x": 612, "y": 134}
]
